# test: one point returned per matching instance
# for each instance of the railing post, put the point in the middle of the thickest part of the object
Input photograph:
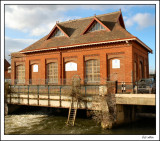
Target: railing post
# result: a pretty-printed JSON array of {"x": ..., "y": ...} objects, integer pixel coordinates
[
  {"x": 48, "y": 97},
  {"x": 85, "y": 90},
  {"x": 10, "y": 96},
  {"x": 38, "y": 94},
  {"x": 137, "y": 86},
  {"x": 116, "y": 87},
  {"x": 28, "y": 94},
  {"x": 18, "y": 95},
  {"x": 122, "y": 87},
  {"x": 60, "y": 96}
]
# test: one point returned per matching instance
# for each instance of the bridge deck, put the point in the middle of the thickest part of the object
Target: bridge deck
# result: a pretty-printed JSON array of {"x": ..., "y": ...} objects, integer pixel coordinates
[
  {"x": 136, "y": 99},
  {"x": 63, "y": 101}
]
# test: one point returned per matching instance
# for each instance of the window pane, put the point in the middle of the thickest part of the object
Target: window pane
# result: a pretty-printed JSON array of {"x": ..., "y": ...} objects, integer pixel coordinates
[
  {"x": 58, "y": 33},
  {"x": 96, "y": 26},
  {"x": 20, "y": 74},
  {"x": 52, "y": 75},
  {"x": 92, "y": 71}
]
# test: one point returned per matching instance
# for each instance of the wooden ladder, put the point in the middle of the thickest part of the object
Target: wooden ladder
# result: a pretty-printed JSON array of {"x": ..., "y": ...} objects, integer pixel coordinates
[{"x": 72, "y": 113}]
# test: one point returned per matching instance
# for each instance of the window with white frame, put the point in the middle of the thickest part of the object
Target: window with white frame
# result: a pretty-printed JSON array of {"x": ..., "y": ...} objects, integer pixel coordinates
[
  {"x": 52, "y": 73},
  {"x": 92, "y": 71}
]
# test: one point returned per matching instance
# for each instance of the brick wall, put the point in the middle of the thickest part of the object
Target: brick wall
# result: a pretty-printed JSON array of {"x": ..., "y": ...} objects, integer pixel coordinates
[
  {"x": 125, "y": 52},
  {"x": 140, "y": 54}
]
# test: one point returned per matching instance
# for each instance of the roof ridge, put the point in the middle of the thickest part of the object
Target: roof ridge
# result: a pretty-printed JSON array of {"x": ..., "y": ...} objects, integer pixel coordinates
[{"x": 88, "y": 17}]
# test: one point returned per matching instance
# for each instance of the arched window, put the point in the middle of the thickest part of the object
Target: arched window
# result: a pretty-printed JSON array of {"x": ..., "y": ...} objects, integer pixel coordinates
[
  {"x": 20, "y": 74},
  {"x": 92, "y": 71},
  {"x": 141, "y": 69},
  {"x": 145, "y": 69},
  {"x": 135, "y": 71},
  {"x": 52, "y": 73}
]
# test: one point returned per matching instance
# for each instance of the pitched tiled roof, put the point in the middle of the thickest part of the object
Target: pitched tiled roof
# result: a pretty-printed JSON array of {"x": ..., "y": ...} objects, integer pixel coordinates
[{"x": 75, "y": 28}]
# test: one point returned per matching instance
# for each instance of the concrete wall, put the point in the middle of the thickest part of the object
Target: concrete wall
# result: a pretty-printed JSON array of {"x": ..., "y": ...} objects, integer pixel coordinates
[{"x": 125, "y": 114}]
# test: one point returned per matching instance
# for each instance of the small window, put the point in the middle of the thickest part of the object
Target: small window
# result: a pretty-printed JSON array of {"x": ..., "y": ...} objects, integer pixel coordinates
[
  {"x": 58, "y": 33},
  {"x": 71, "y": 66},
  {"x": 35, "y": 68},
  {"x": 96, "y": 26},
  {"x": 115, "y": 63}
]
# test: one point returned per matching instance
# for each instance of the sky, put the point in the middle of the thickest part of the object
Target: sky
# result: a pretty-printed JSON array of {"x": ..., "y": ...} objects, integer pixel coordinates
[{"x": 25, "y": 24}]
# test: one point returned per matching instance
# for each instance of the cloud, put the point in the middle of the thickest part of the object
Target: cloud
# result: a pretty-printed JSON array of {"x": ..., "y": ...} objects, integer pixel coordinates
[
  {"x": 143, "y": 20},
  {"x": 35, "y": 19},
  {"x": 15, "y": 45},
  {"x": 44, "y": 29},
  {"x": 38, "y": 20}
]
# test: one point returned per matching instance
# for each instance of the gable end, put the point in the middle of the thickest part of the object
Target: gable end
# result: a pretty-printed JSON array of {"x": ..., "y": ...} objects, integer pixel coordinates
[
  {"x": 54, "y": 30},
  {"x": 95, "y": 19}
]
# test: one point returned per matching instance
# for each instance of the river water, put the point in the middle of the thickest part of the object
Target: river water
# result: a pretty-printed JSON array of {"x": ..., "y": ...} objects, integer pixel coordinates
[{"x": 40, "y": 123}]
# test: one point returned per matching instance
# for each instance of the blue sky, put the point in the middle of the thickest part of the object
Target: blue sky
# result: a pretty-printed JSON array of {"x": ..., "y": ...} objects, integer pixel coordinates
[{"x": 25, "y": 24}]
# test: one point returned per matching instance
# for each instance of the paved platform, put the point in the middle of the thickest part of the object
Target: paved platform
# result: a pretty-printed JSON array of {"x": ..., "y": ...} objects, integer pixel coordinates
[{"x": 136, "y": 99}]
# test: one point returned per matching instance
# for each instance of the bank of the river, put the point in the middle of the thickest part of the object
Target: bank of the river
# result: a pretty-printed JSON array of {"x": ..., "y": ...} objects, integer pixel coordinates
[{"x": 46, "y": 123}]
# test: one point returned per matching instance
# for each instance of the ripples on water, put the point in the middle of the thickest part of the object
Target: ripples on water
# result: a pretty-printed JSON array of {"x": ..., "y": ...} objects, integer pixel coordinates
[{"x": 41, "y": 124}]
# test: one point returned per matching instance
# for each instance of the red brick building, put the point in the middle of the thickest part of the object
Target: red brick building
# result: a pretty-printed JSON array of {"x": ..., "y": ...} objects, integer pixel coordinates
[{"x": 97, "y": 48}]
